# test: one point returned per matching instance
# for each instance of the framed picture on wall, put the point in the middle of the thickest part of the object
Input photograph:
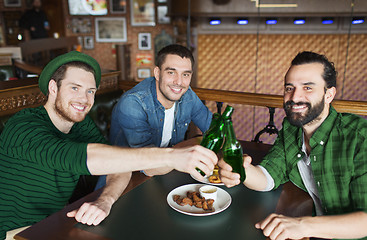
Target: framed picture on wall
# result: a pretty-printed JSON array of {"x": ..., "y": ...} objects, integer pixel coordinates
[
  {"x": 143, "y": 72},
  {"x": 81, "y": 25},
  {"x": 88, "y": 42},
  {"x": 142, "y": 13},
  {"x": 118, "y": 6},
  {"x": 144, "y": 41},
  {"x": 80, "y": 41},
  {"x": 12, "y": 3},
  {"x": 162, "y": 15},
  {"x": 111, "y": 29}
]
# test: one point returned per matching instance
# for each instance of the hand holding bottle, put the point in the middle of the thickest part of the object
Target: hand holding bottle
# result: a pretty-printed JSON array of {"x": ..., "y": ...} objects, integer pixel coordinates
[
  {"x": 232, "y": 149},
  {"x": 230, "y": 178}
]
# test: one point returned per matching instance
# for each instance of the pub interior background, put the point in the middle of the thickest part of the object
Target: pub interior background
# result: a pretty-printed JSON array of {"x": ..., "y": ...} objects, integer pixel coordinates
[{"x": 252, "y": 57}]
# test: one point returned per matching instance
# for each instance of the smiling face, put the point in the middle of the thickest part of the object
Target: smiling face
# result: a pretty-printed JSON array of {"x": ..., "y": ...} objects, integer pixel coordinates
[
  {"x": 75, "y": 96},
  {"x": 306, "y": 99},
  {"x": 172, "y": 79}
]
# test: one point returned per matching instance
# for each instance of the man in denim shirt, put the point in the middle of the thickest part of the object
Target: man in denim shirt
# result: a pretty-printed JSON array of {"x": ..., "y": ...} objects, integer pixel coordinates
[{"x": 158, "y": 111}]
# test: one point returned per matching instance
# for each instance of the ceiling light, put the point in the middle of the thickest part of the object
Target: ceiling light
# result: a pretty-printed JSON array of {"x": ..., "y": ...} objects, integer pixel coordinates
[
  {"x": 215, "y": 21},
  {"x": 358, "y": 20},
  {"x": 242, "y": 21},
  {"x": 327, "y": 21},
  {"x": 299, "y": 21},
  {"x": 271, "y": 21}
]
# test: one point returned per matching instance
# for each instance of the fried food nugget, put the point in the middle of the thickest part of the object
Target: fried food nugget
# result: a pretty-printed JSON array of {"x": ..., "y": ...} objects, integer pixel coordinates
[
  {"x": 194, "y": 199},
  {"x": 190, "y": 194},
  {"x": 186, "y": 201},
  {"x": 210, "y": 203},
  {"x": 177, "y": 199},
  {"x": 182, "y": 201},
  {"x": 214, "y": 179}
]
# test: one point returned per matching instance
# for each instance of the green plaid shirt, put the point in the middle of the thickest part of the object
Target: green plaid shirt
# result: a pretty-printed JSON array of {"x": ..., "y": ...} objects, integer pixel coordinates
[{"x": 338, "y": 159}]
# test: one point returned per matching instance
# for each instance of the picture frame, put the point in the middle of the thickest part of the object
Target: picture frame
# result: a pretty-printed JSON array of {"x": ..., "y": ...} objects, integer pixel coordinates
[
  {"x": 81, "y": 25},
  {"x": 144, "y": 72},
  {"x": 12, "y": 3},
  {"x": 144, "y": 59},
  {"x": 144, "y": 41},
  {"x": 80, "y": 41},
  {"x": 118, "y": 6},
  {"x": 162, "y": 15},
  {"x": 87, "y": 7},
  {"x": 88, "y": 42},
  {"x": 110, "y": 29},
  {"x": 142, "y": 14}
]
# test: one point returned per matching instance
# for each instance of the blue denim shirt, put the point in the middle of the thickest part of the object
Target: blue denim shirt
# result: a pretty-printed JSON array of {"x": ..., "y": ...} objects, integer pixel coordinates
[{"x": 138, "y": 117}]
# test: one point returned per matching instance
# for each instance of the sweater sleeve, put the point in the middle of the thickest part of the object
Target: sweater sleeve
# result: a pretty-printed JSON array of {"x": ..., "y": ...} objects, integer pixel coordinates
[{"x": 34, "y": 140}]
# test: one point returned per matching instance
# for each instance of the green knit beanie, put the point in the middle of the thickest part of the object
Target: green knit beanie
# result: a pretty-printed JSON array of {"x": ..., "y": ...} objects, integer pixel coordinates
[{"x": 73, "y": 56}]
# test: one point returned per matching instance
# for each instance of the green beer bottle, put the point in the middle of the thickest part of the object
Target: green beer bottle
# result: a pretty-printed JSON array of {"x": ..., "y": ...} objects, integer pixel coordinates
[
  {"x": 232, "y": 149},
  {"x": 213, "y": 137}
]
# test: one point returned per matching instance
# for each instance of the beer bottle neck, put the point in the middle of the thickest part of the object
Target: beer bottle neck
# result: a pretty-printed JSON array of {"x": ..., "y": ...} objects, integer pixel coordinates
[{"x": 228, "y": 129}]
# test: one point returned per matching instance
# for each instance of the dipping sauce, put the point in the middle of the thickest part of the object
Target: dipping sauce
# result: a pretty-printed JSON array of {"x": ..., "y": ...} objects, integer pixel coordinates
[{"x": 208, "y": 192}]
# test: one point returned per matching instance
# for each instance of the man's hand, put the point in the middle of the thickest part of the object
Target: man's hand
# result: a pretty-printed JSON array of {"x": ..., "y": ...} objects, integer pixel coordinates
[
  {"x": 279, "y": 227},
  {"x": 189, "y": 158},
  {"x": 92, "y": 213},
  {"x": 229, "y": 178}
]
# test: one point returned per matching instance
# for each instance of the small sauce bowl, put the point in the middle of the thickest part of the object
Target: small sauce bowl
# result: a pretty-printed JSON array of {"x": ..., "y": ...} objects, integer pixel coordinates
[{"x": 209, "y": 192}]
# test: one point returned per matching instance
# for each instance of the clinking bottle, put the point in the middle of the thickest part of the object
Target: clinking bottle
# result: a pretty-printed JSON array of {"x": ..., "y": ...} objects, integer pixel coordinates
[
  {"x": 232, "y": 149},
  {"x": 213, "y": 137}
]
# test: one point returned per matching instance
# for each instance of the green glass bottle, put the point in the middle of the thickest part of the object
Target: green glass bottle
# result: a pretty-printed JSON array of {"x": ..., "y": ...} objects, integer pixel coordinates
[
  {"x": 232, "y": 149},
  {"x": 213, "y": 137}
]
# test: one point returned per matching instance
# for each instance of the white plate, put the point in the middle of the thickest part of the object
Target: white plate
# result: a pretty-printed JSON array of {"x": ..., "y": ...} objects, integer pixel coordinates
[
  {"x": 206, "y": 181},
  {"x": 222, "y": 203}
]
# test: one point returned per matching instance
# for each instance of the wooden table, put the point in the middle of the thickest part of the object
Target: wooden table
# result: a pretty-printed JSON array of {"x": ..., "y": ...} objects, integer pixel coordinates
[{"x": 142, "y": 212}]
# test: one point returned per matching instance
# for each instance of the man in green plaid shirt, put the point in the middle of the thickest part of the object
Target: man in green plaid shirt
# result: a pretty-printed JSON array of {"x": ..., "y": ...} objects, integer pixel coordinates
[{"x": 319, "y": 150}]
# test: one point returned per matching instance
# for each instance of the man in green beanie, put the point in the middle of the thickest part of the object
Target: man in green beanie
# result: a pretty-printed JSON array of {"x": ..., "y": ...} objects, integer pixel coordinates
[{"x": 44, "y": 150}]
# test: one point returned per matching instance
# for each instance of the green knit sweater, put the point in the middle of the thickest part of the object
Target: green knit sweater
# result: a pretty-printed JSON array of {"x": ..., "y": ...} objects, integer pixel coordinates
[{"x": 40, "y": 166}]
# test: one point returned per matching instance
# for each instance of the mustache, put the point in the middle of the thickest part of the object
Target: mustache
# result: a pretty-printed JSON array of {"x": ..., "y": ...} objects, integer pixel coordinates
[{"x": 291, "y": 103}]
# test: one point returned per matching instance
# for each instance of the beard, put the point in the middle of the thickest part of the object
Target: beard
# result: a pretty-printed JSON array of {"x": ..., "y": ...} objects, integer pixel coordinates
[
  {"x": 298, "y": 119},
  {"x": 62, "y": 111}
]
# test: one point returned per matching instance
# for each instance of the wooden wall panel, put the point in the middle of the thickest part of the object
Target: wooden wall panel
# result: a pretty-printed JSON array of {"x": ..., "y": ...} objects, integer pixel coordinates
[{"x": 228, "y": 62}]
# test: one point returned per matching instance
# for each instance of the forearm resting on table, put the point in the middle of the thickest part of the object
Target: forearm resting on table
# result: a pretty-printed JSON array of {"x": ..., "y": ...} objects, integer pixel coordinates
[
  {"x": 104, "y": 159},
  {"x": 115, "y": 186},
  {"x": 255, "y": 178},
  {"x": 346, "y": 226}
]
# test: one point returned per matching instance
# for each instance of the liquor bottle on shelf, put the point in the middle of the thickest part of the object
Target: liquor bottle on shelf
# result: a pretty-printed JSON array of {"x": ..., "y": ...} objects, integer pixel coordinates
[{"x": 232, "y": 149}]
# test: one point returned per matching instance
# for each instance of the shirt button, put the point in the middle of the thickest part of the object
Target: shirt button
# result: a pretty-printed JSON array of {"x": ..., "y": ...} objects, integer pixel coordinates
[
  {"x": 314, "y": 158},
  {"x": 185, "y": 124},
  {"x": 174, "y": 130},
  {"x": 322, "y": 143},
  {"x": 318, "y": 184},
  {"x": 161, "y": 120},
  {"x": 299, "y": 155}
]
